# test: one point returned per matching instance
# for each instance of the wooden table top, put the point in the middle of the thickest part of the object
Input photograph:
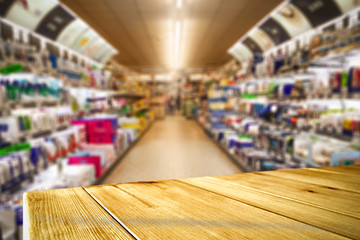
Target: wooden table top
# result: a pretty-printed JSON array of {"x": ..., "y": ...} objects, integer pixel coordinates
[{"x": 316, "y": 203}]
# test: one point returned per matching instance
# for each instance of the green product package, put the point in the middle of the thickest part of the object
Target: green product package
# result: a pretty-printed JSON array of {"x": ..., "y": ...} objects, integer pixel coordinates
[
  {"x": 248, "y": 96},
  {"x": 344, "y": 79},
  {"x": 11, "y": 69},
  {"x": 272, "y": 86},
  {"x": 15, "y": 148},
  {"x": 140, "y": 114},
  {"x": 13, "y": 92},
  {"x": 241, "y": 136},
  {"x": 27, "y": 123}
]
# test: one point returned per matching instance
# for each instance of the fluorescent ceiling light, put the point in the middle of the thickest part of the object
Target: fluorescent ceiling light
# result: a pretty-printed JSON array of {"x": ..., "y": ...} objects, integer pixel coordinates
[
  {"x": 179, "y": 3},
  {"x": 177, "y": 44}
]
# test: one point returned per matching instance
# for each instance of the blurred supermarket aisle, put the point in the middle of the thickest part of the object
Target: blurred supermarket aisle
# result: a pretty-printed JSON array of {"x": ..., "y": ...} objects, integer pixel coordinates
[{"x": 172, "y": 148}]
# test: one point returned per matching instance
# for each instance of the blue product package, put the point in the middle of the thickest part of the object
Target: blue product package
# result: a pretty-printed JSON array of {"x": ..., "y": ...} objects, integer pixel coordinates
[
  {"x": 288, "y": 89},
  {"x": 221, "y": 136},
  {"x": 267, "y": 166},
  {"x": 278, "y": 63},
  {"x": 347, "y": 132},
  {"x": 345, "y": 158},
  {"x": 53, "y": 60},
  {"x": 240, "y": 145},
  {"x": 36, "y": 155},
  {"x": 19, "y": 215},
  {"x": 256, "y": 60}
]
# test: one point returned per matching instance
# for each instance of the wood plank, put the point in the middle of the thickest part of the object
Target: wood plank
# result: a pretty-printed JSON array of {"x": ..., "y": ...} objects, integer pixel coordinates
[
  {"x": 68, "y": 214},
  {"x": 331, "y": 180},
  {"x": 345, "y": 170},
  {"x": 177, "y": 210},
  {"x": 324, "y": 219},
  {"x": 332, "y": 199}
]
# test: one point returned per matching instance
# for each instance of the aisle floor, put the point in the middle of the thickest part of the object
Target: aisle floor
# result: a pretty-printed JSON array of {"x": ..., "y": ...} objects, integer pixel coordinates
[{"x": 172, "y": 148}]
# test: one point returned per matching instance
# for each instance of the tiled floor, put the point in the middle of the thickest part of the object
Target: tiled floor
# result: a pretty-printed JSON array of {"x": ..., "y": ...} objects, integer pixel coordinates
[{"x": 172, "y": 148}]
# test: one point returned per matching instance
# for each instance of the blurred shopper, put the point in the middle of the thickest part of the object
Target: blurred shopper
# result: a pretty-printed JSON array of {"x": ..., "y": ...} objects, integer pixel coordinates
[
  {"x": 170, "y": 104},
  {"x": 178, "y": 101}
]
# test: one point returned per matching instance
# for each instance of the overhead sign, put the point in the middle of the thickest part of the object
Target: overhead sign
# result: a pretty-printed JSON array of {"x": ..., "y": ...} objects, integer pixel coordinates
[
  {"x": 54, "y": 22},
  {"x": 83, "y": 40},
  {"x": 106, "y": 56},
  {"x": 318, "y": 11},
  {"x": 241, "y": 52},
  {"x": 29, "y": 13},
  {"x": 97, "y": 46},
  {"x": 262, "y": 39},
  {"x": 100, "y": 52},
  {"x": 292, "y": 20},
  {"x": 71, "y": 32},
  {"x": 275, "y": 31},
  {"x": 252, "y": 45}
]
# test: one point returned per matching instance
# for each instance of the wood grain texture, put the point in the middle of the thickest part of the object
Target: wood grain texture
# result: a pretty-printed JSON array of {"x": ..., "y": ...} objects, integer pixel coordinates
[
  {"x": 176, "y": 210},
  {"x": 345, "y": 170},
  {"x": 68, "y": 214},
  {"x": 324, "y": 219},
  {"x": 329, "y": 179},
  {"x": 325, "y": 197},
  {"x": 290, "y": 204}
]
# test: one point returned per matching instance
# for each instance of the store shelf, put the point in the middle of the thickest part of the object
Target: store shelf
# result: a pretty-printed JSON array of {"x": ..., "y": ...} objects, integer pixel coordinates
[
  {"x": 232, "y": 156},
  {"x": 141, "y": 109},
  {"x": 25, "y": 136},
  {"x": 334, "y": 59},
  {"x": 117, "y": 111},
  {"x": 222, "y": 99},
  {"x": 10, "y": 105},
  {"x": 307, "y": 161},
  {"x": 323, "y": 201},
  {"x": 128, "y": 95},
  {"x": 338, "y": 56},
  {"x": 121, "y": 156}
]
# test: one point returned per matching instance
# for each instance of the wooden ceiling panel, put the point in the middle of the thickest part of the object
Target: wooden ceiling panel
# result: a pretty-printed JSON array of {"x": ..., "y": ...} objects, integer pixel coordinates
[{"x": 143, "y": 30}]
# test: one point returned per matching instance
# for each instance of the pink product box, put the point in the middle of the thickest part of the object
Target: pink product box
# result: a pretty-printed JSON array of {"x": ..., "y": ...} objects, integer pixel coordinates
[
  {"x": 82, "y": 139},
  {"x": 79, "y": 122},
  {"x": 102, "y": 138},
  {"x": 108, "y": 148},
  {"x": 101, "y": 126},
  {"x": 93, "y": 160}
]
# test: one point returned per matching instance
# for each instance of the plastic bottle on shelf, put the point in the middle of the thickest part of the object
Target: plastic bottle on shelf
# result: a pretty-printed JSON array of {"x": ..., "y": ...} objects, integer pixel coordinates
[
  {"x": 30, "y": 89},
  {"x": 15, "y": 93},
  {"x": 27, "y": 123},
  {"x": 22, "y": 88},
  {"x": 43, "y": 90},
  {"x": 7, "y": 89}
]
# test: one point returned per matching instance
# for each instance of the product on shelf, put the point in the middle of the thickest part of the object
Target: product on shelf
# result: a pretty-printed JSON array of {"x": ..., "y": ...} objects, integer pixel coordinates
[
  {"x": 324, "y": 151},
  {"x": 15, "y": 166}
]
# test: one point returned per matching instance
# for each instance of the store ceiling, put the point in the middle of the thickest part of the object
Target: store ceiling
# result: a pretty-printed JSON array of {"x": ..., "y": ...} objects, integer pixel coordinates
[{"x": 143, "y": 30}]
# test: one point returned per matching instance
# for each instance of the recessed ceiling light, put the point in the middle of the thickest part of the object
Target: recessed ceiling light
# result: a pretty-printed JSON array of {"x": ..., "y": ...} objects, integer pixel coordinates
[
  {"x": 177, "y": 44},
  {"x": 179, "y": 3}
]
